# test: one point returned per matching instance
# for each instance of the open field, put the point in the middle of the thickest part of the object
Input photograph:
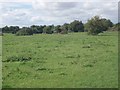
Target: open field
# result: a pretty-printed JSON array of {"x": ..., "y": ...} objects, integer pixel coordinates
[
  {"x": 0, "y": 62},
  {"x": 73, "y": 60}
]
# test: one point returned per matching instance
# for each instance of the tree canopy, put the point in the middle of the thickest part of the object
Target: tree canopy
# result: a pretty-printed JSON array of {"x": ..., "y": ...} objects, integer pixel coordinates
[
  {"x": 76, "y": 26},
  {"x": 24, "y": 31},
  {"x": 93, "y": 26},
  {"x": 97, "y": 25}
]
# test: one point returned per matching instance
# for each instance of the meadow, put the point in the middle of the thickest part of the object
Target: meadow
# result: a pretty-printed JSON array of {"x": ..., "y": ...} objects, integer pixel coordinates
[
  {"x": 0, "y": 62},
  {"x": 74, "y": 60}
]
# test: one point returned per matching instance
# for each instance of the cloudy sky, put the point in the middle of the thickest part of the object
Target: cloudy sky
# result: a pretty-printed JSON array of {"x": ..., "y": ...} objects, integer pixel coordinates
[{"x": 39, "y": 12}]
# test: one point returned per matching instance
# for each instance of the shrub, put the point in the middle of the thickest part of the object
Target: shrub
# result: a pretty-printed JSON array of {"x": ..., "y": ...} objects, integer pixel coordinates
[
  {"x": 47, "y": 30},
  {"x": 57, "y": 29},
  {"x": 36, "y": 29},
  {"x": 64, "y": 32},
  {"x": 24, "y": 31},
  {"x": 76, "y": 26},
  {"x": 116, "y": 27},
  {"x": 95, "y": 25},
  {"x": 64, "y": 29}
]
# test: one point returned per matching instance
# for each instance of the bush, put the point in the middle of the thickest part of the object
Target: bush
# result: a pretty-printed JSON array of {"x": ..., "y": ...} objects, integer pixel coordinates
[
  {"x": 64, "y": 32},
  {"x": 57, "y": 29},
  {"x": 115, "y": 28},
  {"x": 47, "y": 30},
  {"x": 36, "y": 29},
  {"x": 95, "y": 26},
  {"x": 76, "y": 26},
  {"x": 24, "y": 31}
]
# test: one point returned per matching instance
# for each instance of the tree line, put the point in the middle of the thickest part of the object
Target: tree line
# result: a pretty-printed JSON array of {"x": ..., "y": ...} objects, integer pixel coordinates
[{"x": 93, "y": 26}]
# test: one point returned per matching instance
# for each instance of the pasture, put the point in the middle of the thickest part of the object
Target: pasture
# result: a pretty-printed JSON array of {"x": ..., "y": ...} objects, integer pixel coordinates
[
  {"x": 74, "y": 60},
  {"x": 0, "y": 62}
]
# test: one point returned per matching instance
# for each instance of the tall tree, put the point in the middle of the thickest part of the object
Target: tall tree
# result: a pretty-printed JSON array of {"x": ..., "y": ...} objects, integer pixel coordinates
[
  {"x": 47, "y": 30},
  {"x": 57, "y": 29},
  {"x": 106, "y": 24},
  {"x": 76, "y": 26},
  {"x": 94, "y": 25},
  {"x": 5, "y": 29},
  {"x": 14, "y": 29},
  {"x": 24, "y": 31}
]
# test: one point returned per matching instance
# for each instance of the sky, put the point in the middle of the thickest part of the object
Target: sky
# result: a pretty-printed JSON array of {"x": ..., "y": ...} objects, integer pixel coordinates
[{"x": 48, "y": 12}]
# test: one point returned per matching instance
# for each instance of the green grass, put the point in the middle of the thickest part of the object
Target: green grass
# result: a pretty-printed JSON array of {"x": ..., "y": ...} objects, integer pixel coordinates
[
  {"x": 0, "y": 62},
  {"x": 74, "y": 60}
]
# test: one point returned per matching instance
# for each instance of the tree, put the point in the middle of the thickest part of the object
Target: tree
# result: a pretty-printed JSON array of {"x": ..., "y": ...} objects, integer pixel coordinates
[
  {"x": 5, "y": 29},
  {"x": 86, "y": 27},
  {"x": 14, "y": 29},
  {"x": 64, "y": 28},
  {"x": 106, "y": 24},
  {"x": 36, "y": 29},
  {"x": 11, "y": 29},
  {"x": 1, "y": 33},
  {"x": 0, "y": 30},
  {"x": 94, "y": 25},
  {"x": 52, "y": 28},
  {"x": 24, "y": 31},
  {"x": 76, "y": 26},
  {"x": 97, "y": 25},
  {"x": 40, "y": 29},
  {"x": 57, "y": 29},
  {"x": 115, "y": 27},
  {"x": 47, "y": 30}
]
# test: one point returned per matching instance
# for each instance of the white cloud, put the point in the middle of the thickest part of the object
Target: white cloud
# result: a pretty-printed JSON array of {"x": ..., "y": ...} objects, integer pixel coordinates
[
  {"x": 28, "y": 12},
  {"x": 59, "y": 0}
]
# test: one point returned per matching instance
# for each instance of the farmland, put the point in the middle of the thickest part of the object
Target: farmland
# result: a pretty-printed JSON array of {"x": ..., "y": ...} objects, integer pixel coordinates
[{"x": 74, "y": 60}]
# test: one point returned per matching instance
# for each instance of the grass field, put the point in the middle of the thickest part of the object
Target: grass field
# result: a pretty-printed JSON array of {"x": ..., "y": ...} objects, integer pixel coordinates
[
  {"x": 74, "y": 60},
  {"x": 0, "y": 62}
]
